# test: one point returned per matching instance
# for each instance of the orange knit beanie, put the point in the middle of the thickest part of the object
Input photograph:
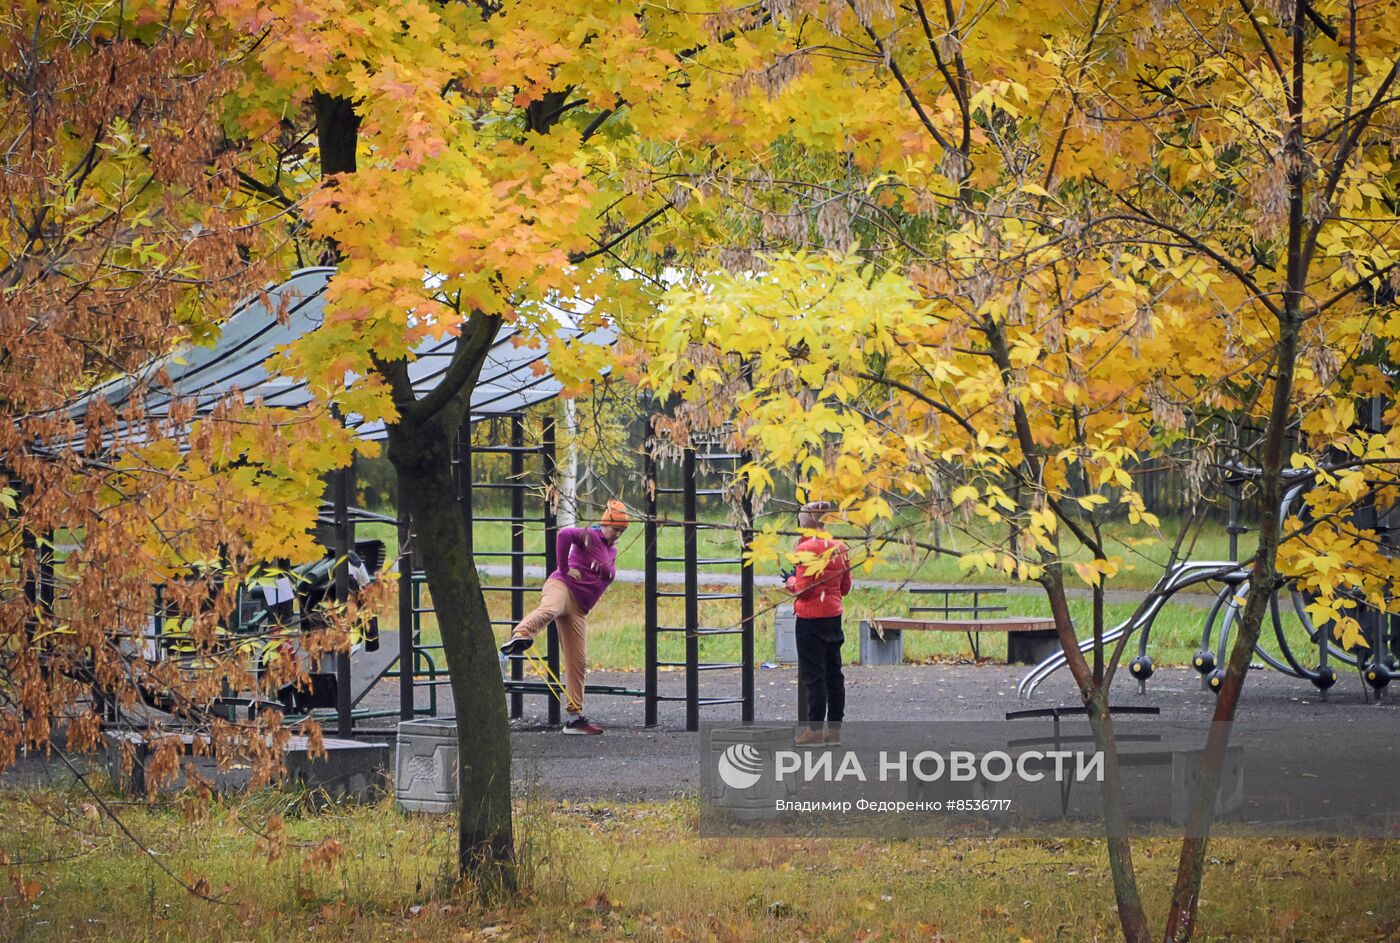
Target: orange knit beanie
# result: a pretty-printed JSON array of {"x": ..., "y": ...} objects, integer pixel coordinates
[{"x": 615, "y": 515}]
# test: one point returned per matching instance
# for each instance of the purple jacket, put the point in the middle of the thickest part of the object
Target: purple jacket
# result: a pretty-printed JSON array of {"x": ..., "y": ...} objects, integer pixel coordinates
[{"x": 585, "y": 550}]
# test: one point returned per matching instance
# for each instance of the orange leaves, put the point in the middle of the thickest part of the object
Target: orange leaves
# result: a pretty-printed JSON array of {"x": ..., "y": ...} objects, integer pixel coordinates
[
  {"x": 273, "y": 841},
  {"x": 324, "y": 856}
]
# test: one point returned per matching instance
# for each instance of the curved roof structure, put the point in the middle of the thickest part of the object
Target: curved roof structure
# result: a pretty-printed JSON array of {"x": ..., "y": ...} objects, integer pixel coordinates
[{"x": 237, "y": 361}]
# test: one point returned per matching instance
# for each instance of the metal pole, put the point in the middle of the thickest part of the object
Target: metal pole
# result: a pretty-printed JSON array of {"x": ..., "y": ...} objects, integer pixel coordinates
[
  {"x": 345, "y": 542},
  {"x": 568, "y": 487},
  {"x": 47, "y": 585},
  {"x": 464, "y": 474},
  {"x": 692, "y": 589},
  {"x": 746, "y": 605},
  {"x": 29, "y": 560},
  {"x": 550, "y": 461},
  {"x": 407, "y": 635},
  {"x": 649, "y": 591},
  {"x": 517, "y": 548}
]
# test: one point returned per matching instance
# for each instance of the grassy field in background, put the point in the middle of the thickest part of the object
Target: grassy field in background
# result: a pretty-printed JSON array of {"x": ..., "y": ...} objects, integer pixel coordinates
[
  {"x": 615, "y": 636},
  {"x": 615, "y": 627},
  {"x": 603, "y": 872},
  {"x": 1142, "y": 562}
]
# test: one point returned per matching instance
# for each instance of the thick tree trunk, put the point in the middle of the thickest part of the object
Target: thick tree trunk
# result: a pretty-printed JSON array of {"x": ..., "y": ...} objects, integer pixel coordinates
[
  {"x": 420, "y": 445},
  {"x": 421, "y": 453}
]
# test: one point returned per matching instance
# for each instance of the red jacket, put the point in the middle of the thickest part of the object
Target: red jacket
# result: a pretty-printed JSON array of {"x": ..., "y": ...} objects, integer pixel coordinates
[{"x": 819, "y": 594}]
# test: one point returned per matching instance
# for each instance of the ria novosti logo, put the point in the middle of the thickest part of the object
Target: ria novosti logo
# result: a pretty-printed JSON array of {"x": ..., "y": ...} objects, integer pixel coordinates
[{"x": 740, "y": 766}]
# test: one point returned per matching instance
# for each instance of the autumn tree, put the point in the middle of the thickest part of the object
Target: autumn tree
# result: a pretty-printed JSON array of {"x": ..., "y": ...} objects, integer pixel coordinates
[
  {"x": 994, "y": 313},
  {"x": 1025, "y": 254},
  {"x": 124, "y": 237},
  {"x": 471, "y": 177}
]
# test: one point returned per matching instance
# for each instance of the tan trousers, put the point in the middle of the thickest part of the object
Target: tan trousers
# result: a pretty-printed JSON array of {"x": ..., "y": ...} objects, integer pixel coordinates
[{"x": 558, "y": 605}]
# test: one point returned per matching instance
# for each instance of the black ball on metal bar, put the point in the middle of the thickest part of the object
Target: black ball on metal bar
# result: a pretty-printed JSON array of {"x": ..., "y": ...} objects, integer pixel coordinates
[{"x": 1378, "y": 676}]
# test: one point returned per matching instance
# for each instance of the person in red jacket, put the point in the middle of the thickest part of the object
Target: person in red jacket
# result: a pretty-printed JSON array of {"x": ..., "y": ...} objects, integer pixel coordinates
[{"x": 820, "y": 579}]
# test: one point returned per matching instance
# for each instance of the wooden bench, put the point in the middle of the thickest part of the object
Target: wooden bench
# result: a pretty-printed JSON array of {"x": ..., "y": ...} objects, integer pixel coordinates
[{"x": 1029, "y": 639}]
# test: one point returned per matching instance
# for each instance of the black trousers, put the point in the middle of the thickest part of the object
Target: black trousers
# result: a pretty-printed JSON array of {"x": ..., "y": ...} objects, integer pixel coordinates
[{"x": 819, "y": 668}]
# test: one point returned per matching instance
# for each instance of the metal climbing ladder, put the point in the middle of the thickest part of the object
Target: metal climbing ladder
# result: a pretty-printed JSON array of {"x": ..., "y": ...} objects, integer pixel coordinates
[
  {"x": 518, "y": 484},
  {"x": 710, "y": 458},
  {"x": 427, "y": 670}
]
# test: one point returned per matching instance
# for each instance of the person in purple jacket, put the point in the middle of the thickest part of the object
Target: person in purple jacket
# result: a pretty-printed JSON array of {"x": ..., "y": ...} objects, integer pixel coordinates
[{"x": 587, "y": 566}]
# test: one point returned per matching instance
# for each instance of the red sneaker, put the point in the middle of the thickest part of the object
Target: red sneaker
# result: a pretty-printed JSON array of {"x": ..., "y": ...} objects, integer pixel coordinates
[{"x": 582, "y": 726}]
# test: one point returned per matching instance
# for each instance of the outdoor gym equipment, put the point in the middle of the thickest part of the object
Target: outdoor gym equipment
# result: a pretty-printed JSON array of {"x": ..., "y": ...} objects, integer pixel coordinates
[{"x": 1376, "y": 663}]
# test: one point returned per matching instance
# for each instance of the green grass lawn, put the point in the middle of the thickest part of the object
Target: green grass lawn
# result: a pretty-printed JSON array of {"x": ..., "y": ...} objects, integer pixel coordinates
[
  {"x": 616, "y": 625},
  {"x": 605, "y": 872},
  {"x": 1142, "y": 561}
]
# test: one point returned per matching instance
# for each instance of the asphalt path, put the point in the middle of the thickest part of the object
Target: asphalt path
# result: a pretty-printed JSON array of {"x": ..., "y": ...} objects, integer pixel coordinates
[{"x": 632, "y": 762}]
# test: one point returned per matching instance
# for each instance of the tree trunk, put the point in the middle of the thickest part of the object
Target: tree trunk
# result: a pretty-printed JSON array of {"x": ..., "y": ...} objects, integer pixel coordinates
[
  {"x": 421, "y": 453},
  {"x": 1186, "y": 895},
  {"x": 1262, "y": 584},
  {"x": 1131, "y": 915},
  {"x": 420, "y": 447}
]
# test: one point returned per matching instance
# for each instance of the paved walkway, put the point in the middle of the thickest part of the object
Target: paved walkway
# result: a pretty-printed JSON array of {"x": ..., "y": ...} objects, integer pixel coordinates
[{"x": 632, "y": 762}]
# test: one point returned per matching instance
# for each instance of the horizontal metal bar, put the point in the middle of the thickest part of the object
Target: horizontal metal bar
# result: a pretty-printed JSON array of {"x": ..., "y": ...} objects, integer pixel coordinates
[
  {"x": 703, "y": 666},
  {"x": 1071, "y": 711},
  {"x": 505, "y": 449},
  {"x": 699, "y": 492},
  {"x": 710, "y": 596},
  {"x": 703, "y": 631},
  {"x": 506, "y": 485},
  {"x": 431, "y": 684},
  {"x": 508, "y": 553},
  {"x": 698, "y": 525},
  {"x": 502, "y": 589},
  {"x": 1050, "y": 739},
  {"x": 507, "y": 520},
  {"x": 718, "y": 456},
  {"x": 703, "y": 702},
  {"x": 702, "y": 561},
  {"x": 530, "y": 686}
]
